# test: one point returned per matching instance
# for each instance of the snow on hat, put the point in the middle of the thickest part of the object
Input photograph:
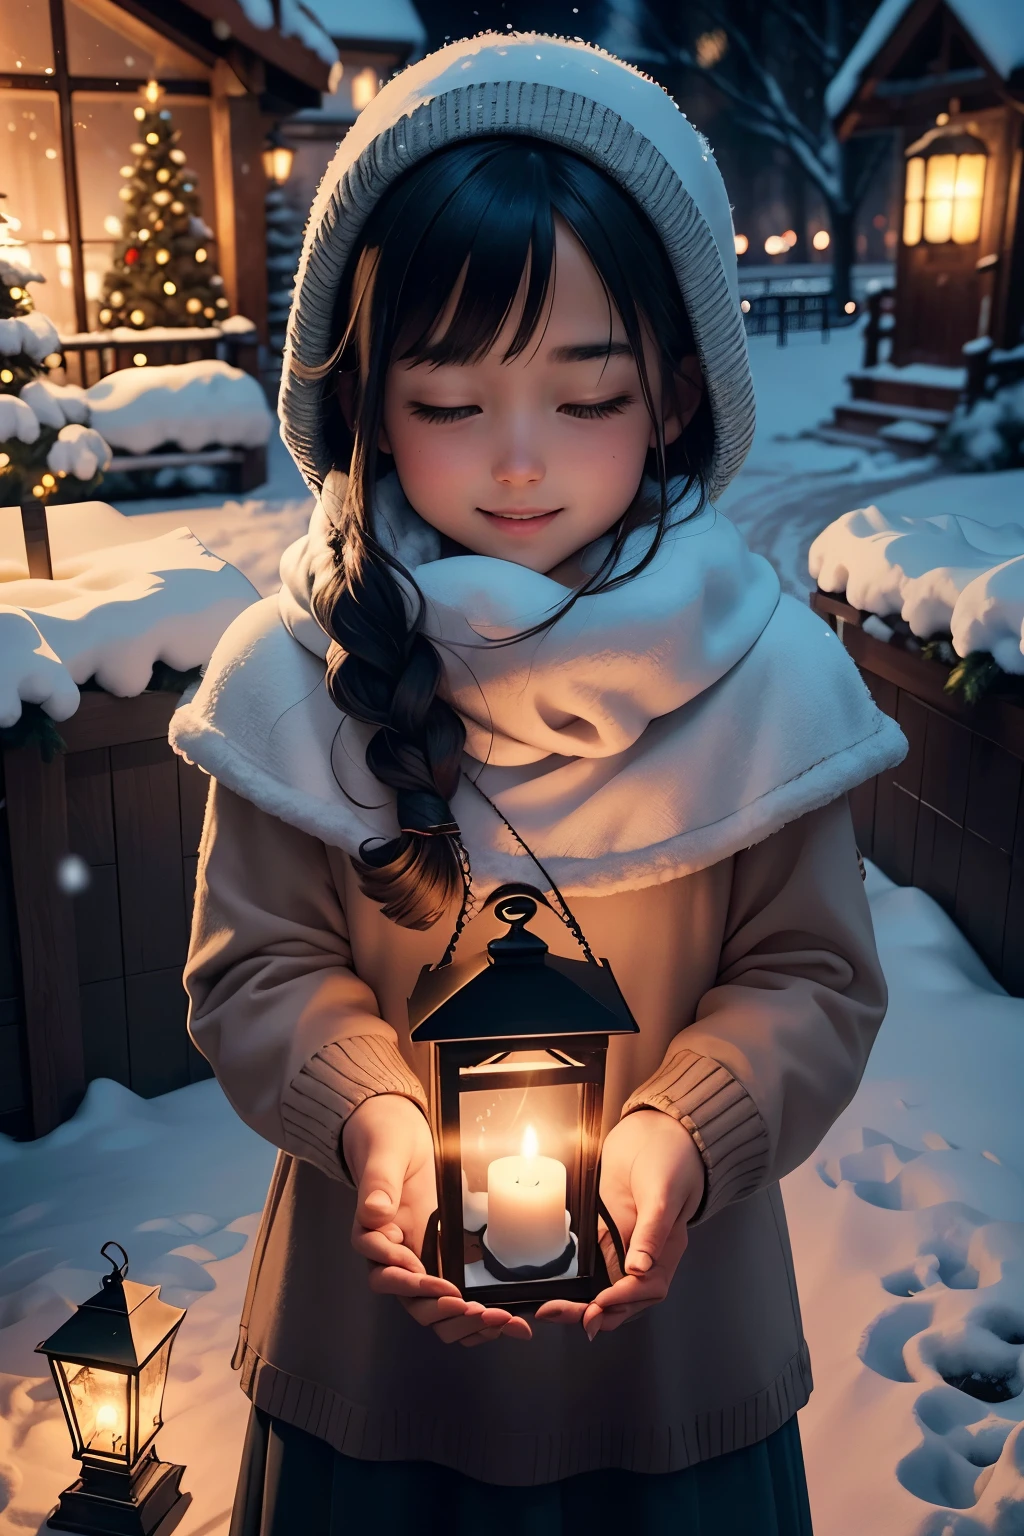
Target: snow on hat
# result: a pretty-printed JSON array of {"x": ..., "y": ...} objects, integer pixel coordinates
[{"x": 573, "y": 95}]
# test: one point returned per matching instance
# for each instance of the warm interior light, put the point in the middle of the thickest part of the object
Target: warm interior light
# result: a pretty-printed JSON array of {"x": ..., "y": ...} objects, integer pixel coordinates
[
  {"x": 277, "y": 162},
  {"x": 140, "y": 359},
  {"x": 821, "y": 239},
  {"x": 530, "y": 1142},
  {"x": 364, "y": 88},
  {"x": 967, "y": 195},
  {"x": 153, "y": 92},
  {"x": 742, "y": 244},
  {"x": 106, "y": 1416},
  {"x": 943, "y": 197}
]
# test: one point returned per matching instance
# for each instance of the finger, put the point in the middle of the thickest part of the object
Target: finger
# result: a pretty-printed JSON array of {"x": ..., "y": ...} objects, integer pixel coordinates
[
  {"x": 455, "y": 1329},
  {"x": 656, "y": 1215},
  {"x": 609, "y": 1319},
  {"x": 381, "y": 1250},
  {"x": 380, "y": 1187},
  {"x": 389, "y": 1280},
  {"x": 645, "y": 1289},
  {"x": 433, "y": 1310},
  {"x": 561, "y": 1312}
]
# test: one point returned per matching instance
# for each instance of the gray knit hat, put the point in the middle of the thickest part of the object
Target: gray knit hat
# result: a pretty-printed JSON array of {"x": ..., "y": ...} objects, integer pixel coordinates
[{"x": 582, "y": 99}]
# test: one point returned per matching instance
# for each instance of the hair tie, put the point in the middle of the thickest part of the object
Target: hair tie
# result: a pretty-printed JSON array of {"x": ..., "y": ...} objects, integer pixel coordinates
[{"x": 439, "y": 829}]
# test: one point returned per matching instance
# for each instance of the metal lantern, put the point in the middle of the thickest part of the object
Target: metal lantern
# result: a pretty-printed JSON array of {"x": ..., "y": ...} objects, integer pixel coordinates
[
  {"x": 278, "y": 158},
  {"x": 944, "y": 188},
  {"x": 109, "y": 1362},
  {"x": 518, "y": 1040}
]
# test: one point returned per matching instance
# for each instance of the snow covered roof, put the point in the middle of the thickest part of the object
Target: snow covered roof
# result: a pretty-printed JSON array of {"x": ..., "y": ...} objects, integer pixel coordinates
[
  {"x": 386, "y": 21},
  {"x": 997, "y": 27}
]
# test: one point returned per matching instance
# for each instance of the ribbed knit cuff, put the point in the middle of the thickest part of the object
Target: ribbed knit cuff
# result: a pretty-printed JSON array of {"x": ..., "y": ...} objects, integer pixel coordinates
[
  {"x": 721, "y": 1117},
  {"x": 331, "y": 1085}
]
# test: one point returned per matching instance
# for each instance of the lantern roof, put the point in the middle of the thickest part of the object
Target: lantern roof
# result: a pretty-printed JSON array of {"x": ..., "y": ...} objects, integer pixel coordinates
[
  {"x": 951, "y": 140},
  {"x": 517, "y": 989},
  {"x": 122, "y": 1325}
]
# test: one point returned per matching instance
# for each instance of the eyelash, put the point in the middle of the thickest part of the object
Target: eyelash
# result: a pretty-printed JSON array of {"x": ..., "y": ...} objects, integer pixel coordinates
[{"x": 440, "y": 414}]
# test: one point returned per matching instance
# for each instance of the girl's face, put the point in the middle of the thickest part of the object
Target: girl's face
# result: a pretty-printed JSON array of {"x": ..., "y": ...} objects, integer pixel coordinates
[{"x": 530, "y": 460}]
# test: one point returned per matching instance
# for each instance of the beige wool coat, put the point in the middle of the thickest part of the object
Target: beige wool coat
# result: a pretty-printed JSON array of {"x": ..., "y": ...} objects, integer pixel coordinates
[{"x": 758, "y": 993}]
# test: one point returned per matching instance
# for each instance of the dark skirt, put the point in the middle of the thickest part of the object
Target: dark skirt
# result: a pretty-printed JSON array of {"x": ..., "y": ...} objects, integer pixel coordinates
[{"x": 290, "y": 1483}]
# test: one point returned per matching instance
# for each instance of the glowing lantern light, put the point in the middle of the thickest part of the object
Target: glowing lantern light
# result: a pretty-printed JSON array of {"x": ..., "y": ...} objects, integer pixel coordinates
[
  {"x": 278, "y": 158},
  {"x": 821, "y": 239},
  {"x": 365, "y": 86},
  {"x": 742, "y": 244},
  {"x": 518, "y": 1040},
  {"x": 109, "y": 1362},
  {"x": 944, "y": 188}
]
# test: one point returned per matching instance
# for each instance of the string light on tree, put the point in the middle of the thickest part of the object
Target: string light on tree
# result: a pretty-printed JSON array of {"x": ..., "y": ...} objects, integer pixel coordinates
[{"x": 162, "y": 273}]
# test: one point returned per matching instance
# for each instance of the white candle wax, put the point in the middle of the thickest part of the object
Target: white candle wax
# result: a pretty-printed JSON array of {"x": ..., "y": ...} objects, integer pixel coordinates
[{"x": 527, "y": 1222}]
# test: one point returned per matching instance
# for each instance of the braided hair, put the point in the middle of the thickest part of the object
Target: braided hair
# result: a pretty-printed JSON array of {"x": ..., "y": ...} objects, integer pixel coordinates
[{"x": 481, "y": 212}]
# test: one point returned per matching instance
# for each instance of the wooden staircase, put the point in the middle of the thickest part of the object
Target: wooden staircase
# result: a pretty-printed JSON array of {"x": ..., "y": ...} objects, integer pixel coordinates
[{"x": 904, "y": 410}]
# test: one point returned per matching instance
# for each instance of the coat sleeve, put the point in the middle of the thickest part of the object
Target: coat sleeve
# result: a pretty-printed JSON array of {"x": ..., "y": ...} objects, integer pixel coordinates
[
  {"x": 294, "y": 1037},
  {"x": 780, "y": 1042}
]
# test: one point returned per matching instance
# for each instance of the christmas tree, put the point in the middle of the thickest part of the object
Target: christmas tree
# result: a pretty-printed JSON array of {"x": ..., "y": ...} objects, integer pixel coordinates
[
  {"x": 47, "y": 449},
  {"x": 163, "y": 272},
  {"x": 284, "y": 246}
]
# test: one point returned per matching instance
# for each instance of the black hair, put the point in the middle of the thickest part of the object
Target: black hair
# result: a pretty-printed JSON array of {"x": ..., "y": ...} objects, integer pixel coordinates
[{"x": 483, "y": 211}]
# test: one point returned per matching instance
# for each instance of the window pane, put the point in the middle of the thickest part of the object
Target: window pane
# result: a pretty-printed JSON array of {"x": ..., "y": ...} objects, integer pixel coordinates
[
  {"x": 913, "y": 215},
  {"x": 100, "y": 1402},
  {"x": 938, "y": 220},
  {"x": 31, "y": 162},
  {"x": 105, "y": 40},
  {"x": 25, "y": 36},
  {"x": 915, "y": 178},
  {"x": 105, "y": 130},
  {"x": 941, "y": 176}
]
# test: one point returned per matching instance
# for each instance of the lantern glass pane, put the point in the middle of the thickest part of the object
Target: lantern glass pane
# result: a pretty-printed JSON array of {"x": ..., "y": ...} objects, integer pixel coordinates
[
  {"x": 152, "y": 1381},
  {"x": 938, "y": 220},
  {"x": 940, "y": 179},
  {"x": 970, "y": 185},
  {"x": 915, "y": 179},
  {"x": 541, "y": 1122},
  {"x": 913, "y": 223},
  {"x": 100, "y": 1406}
]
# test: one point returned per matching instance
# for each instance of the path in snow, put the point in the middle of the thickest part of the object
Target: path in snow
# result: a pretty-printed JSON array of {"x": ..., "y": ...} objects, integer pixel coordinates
[
  {"x": 791, "y": 485},
  {"x": 907, "y": 1224}
]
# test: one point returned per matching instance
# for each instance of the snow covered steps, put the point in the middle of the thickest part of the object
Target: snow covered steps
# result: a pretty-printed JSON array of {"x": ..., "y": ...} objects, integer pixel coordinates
[{"x": 905, "y": 410}]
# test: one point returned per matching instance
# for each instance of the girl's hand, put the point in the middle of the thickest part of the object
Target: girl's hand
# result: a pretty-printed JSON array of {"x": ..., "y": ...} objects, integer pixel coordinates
[
  {"x": 652, "y": 1181},
  {"x": 390, "y": 1155}
]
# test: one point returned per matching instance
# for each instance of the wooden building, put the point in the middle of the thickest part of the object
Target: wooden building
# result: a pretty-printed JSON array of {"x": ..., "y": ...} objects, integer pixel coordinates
[
  {"x": 947, "y": 78},
  {"x": 373, "y": 41},
  {"x": 70, "y": 76}
]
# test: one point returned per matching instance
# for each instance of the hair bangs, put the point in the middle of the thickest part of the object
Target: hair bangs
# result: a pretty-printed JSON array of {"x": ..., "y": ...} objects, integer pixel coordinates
[{"x": 490, "y": 243}]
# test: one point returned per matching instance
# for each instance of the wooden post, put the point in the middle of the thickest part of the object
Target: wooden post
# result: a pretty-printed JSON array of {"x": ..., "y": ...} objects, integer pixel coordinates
[
  {"x": 238, "y": 131},
  {"x": 37, "y": 820},
  {"x": 37, "y": 539}
]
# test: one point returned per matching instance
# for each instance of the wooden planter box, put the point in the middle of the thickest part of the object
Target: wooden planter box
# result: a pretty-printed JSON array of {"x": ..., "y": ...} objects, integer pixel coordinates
[
  {"x": 950, "y": 818},
  {"x": 90, "y": 984}
]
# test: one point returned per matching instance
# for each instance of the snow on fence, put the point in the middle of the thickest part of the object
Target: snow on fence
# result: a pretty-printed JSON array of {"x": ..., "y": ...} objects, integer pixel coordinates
[{"x": 950, "y": 818}]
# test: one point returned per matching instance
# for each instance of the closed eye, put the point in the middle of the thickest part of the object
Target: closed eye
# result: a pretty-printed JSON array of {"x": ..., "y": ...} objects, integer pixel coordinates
[
  {"x": 442, "y": 413},
  {"x": 599, "y": 409}
]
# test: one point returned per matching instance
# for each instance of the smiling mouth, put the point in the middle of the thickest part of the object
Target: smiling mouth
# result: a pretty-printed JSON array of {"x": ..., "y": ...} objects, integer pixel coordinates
[{"x": 522, "y": 514}]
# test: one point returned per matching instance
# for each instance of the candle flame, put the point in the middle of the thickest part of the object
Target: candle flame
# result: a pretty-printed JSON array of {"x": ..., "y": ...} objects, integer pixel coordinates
[
  {"x": 106, "y": 1416},
  {"x": 529, "y": 1142}
]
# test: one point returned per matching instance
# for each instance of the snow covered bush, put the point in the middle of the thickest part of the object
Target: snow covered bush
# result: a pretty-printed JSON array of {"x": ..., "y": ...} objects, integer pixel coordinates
[
  {"x": 989, "y": 434},
  {"x": 43, "y": 452},
  {"x": 952, "y": 582}
]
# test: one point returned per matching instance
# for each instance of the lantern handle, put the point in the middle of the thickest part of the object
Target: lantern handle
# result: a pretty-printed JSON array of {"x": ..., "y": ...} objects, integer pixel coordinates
[
  {"x": 561, "y": 910},
  {"x": 117, "y": 1271}
]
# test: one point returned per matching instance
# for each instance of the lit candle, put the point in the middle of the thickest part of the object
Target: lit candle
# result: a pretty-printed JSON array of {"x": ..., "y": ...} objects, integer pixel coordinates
[{"x": 527, "y": 1222}]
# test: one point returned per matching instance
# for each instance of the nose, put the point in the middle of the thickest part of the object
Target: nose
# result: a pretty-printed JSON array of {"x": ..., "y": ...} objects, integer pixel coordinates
[{"x": 519, "y": 463}]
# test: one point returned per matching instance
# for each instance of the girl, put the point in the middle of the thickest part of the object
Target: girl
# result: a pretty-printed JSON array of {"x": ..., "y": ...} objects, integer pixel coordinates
[{"x": 516, "y": 631}]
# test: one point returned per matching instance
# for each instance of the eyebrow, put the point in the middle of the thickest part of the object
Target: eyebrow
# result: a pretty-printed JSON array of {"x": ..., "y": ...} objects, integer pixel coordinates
[{"x": 587, "y": 351}]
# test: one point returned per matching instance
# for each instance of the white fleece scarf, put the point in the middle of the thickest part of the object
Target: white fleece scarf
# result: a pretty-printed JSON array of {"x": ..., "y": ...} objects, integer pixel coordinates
[{"x": 652, "y": 731}]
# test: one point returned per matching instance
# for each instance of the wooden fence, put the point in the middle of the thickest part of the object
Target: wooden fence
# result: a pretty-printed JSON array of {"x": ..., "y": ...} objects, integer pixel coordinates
[
  {"x": 90, "y": 981},
  {"x": 950, "y": 817}
]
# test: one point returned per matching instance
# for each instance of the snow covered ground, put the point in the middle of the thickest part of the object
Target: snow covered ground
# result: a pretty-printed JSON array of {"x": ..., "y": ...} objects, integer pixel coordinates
[
  {"x": 908, "y": 1230},
  {"x": 792, "y": 485}
]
